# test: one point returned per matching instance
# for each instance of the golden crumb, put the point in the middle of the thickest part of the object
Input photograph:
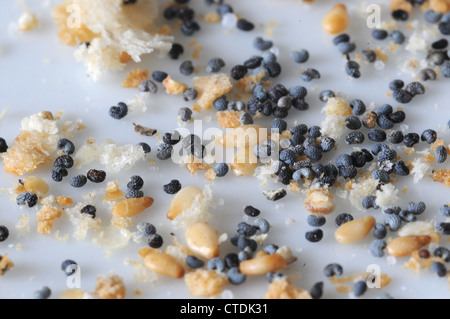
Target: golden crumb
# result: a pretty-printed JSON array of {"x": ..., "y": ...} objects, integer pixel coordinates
[
  {"x": 405, "y": 190},
  {"x": 113, "y": 193},
  {"x": 283, "y": 289},
  {"x": 212, "y": 17},
  {"x": 343, "y": 289},
  {"x": 110, "y": 287},
  {"x": 5, "y": 264},
  {"x": 137, "y": 293},
  {"x": 45, "y": 218},
  {"x": 210, "y": 175},
  {"x": 193, "y": 167},
  {"x": 121, "y": 222},
  {"x": 388, "y": 94},
  {"x": 164, "y": 30},
  {"x": 135, "y": 77},
  {"x": 174, "y": 87},
  {"x": 205, "y": 283},
  {"x": 437, "y": 143},
  {"x": 413, "y": 63},
  {"x": 409, "y": 151},
  {"x": 245, "y": 84},
  {"x": 442, "y": 176},
  {"x": 70, "y": 36},
  {"x": 64, "y": 201},
  {"x": 380, "y": 54},
  {"x": 196, "y": 53},
  {"x": 293, "y": 187},
  {"x": 210, "y": 88},
  {"x": 269, "y": 32},
  {"x": 125, "y": 58},
  {"x": 25, "y": 155},
  {"x": 229, "y": 119},
  {"x": 337, "y": 106},
  {"x": 429, "y": 158}
]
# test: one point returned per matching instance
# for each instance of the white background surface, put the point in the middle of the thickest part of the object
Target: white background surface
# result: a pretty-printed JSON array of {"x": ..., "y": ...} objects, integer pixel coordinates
[{"x": 37, "y": 73}]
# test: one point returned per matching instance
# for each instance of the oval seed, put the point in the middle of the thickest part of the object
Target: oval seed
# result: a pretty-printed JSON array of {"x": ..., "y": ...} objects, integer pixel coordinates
[
  {"x": 262, "y": 265},
  {"x": 404, "y": 246},
  {"x": 132, "y": 206},
  {"x": 183, "y": 200},
  {"x": 336, "y": 21},
  {"x": 164, "y": 264},
  {"x": 202, "y": 240},
  {"x": 355, "y": 230}
]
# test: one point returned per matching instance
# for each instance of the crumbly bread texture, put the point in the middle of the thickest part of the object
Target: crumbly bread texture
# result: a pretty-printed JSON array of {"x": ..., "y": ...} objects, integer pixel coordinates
[
  {"x": 205, "y": 283},
  {"x": 110, "y": 287},
  {"x": 283, "y": 289},
  {"x": 112, "y": 29}
]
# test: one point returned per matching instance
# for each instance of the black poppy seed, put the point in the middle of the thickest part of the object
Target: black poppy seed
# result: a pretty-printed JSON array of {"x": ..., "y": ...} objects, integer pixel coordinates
[
  {"x": 215, "y": 65},
  {"x": 135, "y": 183},
  {"x": 262, "y": 224},
  {"x": 298, "y": 92},
  {"x": 314, "y": 132},
  {"x": 288, "y": 156},
  {"x": 58, "y": 173},
  {"x": 253, "y": 62},
  {"x": 299, "y": 56},
  {"x": 64, "y": 161},
  {"x": 407, "y": 216},
  {"x": 235, "y": 277},
  {"x": 445, "y": 70},
  {"x": 346, "y": 47},
  {"x": 348, "y": 172},
  {"x": 313, "y": 152},
  {"x": 437, "y": 57},
  {"x": 352, "y": 69},
  {"x": 327, "y": 143},
  {"x": 185, "y": 114},
  {"x": 379, "y": 34},
  {"x": 172, "y": 188},
  {"x": 243, "y": 255},
  {"x": 386, "y": 155},
  {"x": 367, "y": 156},
  {"x": 415, "y": 88},
  {"x": 43, "y": 293},
  {"x": 332, "y": 270},
  {"x": 309, "y": 74},
  {"x": 427, "y": 75},
  {"x": 400, "y": 14},
  {"x": 66, "y": 146},
  {"x": 245, "y": 25},
  {"x": 220, "y": 104},
  {"x": 251, "y": 211},
  {"x": 269, "y": 57},
  {"x": 392, "y": 210},
  {"x": 396, "y": 85},
  {"x": 279, "y": 125},
  {"x": 164, "y": 152},
  {"x": 397, "y": 36},
  {"x": 89, "y": 210},
  {"x": 314, "y": 236},
  {"x": 148, "y": 86},
  {"x": 119, "y": 112},
  {"x": 395, "y": 137},
  {"x": 393, "y": 221},
  {"x": 190, "y": 94},
  {"x": 369, "y": 55},
  {"x": 316, "y": 291},
  {"x": 231, "y": 260},
  {"x": 300, "y": 128},
  {"x": 444, "y": 28},
  {"x": 65, "y": 266},
  {"x": 238, "y": 72},
  {"x": 145, "y": 147},
  {"x": 221, "y": 169},
  {"x": 194, "y": 262},
  {"x": 369, "y": 202},
  {"x": 189, "y": 27},
  {"x": 176, "y": 50},
  {"x": 246, "y": 229},
  {"x": 402, "y": 96},
  {"x": 244, "y": 242},
  {"x": 261, "y": 44},
  {"x": 376, "y": 247},
  {"x": 155, "y": 241},
  {"x": 169, "y": 13},
  {"x": 439, "y": 268},
  {"x": 432, "y": 16},
  {"x": 300, "y": 104},
  {"x": 344, "y": 160},
  {"x": 429, "y": 136},
  {"x": 385, "y": 109},
  {"x": 285, "y": 101},
  {"x": 397, "y": 117},
  {"x": 342, "y": 219},
  {"x": 187, "y": 68},
  {"x": 411, "y": 139},
  {"x": 4, "y": 233},
  {"x": 441, "y": 154},
  {"x": 377, "y": 148},
  {"x": 384, "y": 122},
  {"x": 379, "y": 231},
  {"x": 440, "y": 44},
  {"x": 359, "y": 288},
  {"x": 443, "y": 253},
  {"x": 325, "y": 95},
  {"x": 358, "y": 107},
  {"x": 273, "y": 68},
  {"x": 353, "y": 122},
  {"x": 359, "y": 159},
  {"x": 354, "y": 138},
  {"x": 3, "y": 145},
  {"x": 343, "y": 37},
  {"x": 96, "y": 176},
  {"x": 316, "y": 220},
  {"x": 416, "y": 208},
  {"x": 132, "y": 193},
  {"x": 159, "y": 76},
  {"x": 444, "y": 210},
  {"x": 78, "y": 181},
  {"x": 216, "y": 264},
  {"x": 184, "y": 13},
  {"x": 376, "y": 135}
]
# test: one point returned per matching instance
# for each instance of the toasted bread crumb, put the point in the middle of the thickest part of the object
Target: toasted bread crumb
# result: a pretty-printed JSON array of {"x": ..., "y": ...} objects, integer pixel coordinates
[
  {"x": 5, "y": 264},
  {"x": 205, "y": 283},
  {"x": 283, "y": 289},
  {"x": 135, "y": 77},
  {"x": 442, "y": 176},
  {"x": 173, "y": 87},
  {"x": 210, "y": 88},
  {"x": 45, "y": 218},
  {"x": 110, "y": 287},
  {"x": 229, "y": 119}
]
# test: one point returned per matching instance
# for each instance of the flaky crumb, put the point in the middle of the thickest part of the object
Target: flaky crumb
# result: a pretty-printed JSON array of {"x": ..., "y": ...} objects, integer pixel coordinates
[
  {"x": 110, "y": 287},
  {"x": 442, "y": 176},
  {"x": 5, "y": 264},
  {"x": 229, "y": 119},
  {"x": 205, "y": 283},
  {"x": 210, "y": 88},
  {"x": 23, "y": 225},
  {"x": 283, "y": 289},
  {"x": 45, "y": 218},
  {"x": 174, "y": 87},
  {"x": 134, "y": 78}
]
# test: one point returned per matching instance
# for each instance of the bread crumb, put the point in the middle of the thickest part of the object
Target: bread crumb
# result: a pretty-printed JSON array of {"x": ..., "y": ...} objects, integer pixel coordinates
[
  {"x": 293, "y": 187},
  {"x": 333, "y": 126},
  {"x": 386, "y": 196},
  {"x": 23, "y": 225},
  {"x": 442, "y": 176},
  {"x": 283, "y": 289},
  {"x": 141, "y": 273},
  {"x": 173, "y": 87},
  {"x": 81, "y": 222},
  {"x": 420, "y": 168},
  {"x": 196, "y": 53},
  {"x": 110, "y": 287},
  {"x": 361, "y": 189},
  {"x": 210, "y": 175},
  {"x": 134, "y": 78},
  {"x": 337, "y": 106},
  {"x": 380, "y": 54},
  {"x": 212, "y": 17},
  {"x": 45, "y": 218},
  {"x": 5, "y": 264},
  {"x": 229, "y": 119},
  {"x": 205, "y": 283},
  {"x": 64, "y": 201},
  {"x": 27, "y": 21},
  {"x": 210, "y": 88}
]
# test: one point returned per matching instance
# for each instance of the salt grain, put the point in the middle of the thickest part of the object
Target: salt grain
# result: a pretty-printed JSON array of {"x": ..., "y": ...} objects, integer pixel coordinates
[
  {"x": 229, "y": 20},
  {"x": 379, "y": 65}
]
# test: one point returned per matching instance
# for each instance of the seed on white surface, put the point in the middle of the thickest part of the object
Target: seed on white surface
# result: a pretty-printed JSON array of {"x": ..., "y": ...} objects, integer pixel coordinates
[{"x": 379, "y": 65}]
